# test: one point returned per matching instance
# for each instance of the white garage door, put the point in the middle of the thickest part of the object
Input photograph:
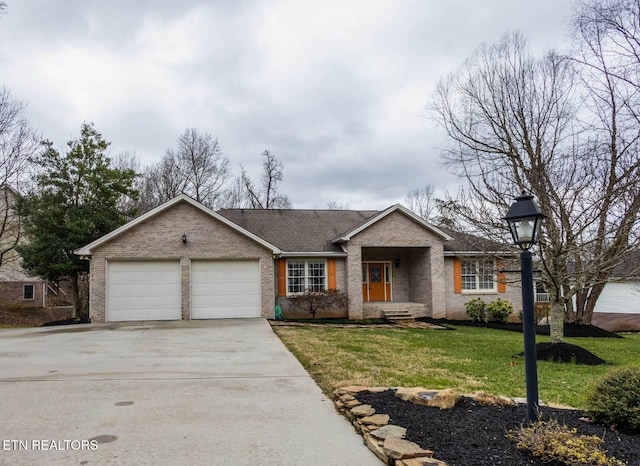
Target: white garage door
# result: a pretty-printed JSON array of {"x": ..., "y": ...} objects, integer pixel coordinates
[
  {"x": 225, "y": 289},
  {"x": 143, "y": 290}
]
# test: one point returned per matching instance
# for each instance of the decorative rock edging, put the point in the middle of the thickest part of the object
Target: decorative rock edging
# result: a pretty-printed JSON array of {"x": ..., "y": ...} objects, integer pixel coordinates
[{"x": 386, "y": 440}]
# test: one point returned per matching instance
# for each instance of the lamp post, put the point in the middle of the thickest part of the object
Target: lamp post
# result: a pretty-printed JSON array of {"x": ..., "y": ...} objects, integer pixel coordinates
[{"x": 524, "y": 218}]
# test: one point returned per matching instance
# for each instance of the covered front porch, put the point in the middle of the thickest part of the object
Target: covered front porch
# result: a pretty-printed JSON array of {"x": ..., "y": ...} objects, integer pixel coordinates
[{"x": 395, "y": 279}]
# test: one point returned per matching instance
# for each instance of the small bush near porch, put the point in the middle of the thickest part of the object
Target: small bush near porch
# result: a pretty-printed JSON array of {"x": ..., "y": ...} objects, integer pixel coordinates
[
  {"x": 468, "y": 359},
  {"x": 313, "y": 301}
]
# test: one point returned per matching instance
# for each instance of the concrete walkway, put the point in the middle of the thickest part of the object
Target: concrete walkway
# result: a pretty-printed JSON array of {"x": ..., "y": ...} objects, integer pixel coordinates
[{"x": 204, "y": 392}]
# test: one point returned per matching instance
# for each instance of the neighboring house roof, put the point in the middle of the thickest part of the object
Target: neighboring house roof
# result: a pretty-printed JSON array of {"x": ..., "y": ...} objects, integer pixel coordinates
[
  {"x": 87, "y": 250},
  {"x": 629, "y": 268},
  {"x": 303, "y": 231}
]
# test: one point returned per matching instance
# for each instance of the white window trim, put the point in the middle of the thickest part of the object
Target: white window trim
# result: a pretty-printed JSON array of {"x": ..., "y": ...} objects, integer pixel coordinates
[
  {"x": 306, "y": 261},
  {"x": 494, "y": 279},
  {"x": 33, "y": 294}
]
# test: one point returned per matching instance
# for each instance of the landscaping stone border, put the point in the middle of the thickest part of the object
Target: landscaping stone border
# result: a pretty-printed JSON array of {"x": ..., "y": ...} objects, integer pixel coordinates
[{"x": 386, "y": 440}]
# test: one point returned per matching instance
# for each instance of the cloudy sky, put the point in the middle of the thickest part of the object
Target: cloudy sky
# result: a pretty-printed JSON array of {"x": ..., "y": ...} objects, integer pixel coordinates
[{"x": 336, "y": 89}]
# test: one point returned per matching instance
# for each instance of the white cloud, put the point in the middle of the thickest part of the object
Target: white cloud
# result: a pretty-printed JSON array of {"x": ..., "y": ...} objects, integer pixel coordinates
[{"x": 335, "y": 89}]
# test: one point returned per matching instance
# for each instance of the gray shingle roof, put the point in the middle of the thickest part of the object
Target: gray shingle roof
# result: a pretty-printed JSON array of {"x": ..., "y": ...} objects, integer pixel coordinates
[
  {"x": 299, "y": 230},
  {"x": 294, "y": 230},
  {"x": 465, "y": 242},
  {"x": 629, "y": 268}
]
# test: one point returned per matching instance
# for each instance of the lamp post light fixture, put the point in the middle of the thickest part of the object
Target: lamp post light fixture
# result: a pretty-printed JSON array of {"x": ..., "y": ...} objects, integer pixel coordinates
[
  {"x": 524, "y": 218},
  {"x": 184, "y": 238}
]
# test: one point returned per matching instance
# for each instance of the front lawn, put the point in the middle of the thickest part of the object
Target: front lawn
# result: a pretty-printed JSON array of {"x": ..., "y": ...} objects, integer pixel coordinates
[{"x": 468, "y": 359}]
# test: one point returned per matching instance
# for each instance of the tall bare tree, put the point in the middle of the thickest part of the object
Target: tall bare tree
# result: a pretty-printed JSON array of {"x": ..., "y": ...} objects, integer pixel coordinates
[
  {"x": 18, "y": 144},
  {"x": 422, "y": 202},
  {"x": 196, "y": 167},
  {"x": 516, "y": 123},
  {"x": 607, "y": 33},
  {"x": 246, "y": 193}
]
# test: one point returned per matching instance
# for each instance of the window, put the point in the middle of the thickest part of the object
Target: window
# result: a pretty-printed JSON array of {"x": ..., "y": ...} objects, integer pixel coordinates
[
  {"x": 306, "y": 275},
  {"x": 478, "y": 275},
  {"x": 28, "y": 292}
]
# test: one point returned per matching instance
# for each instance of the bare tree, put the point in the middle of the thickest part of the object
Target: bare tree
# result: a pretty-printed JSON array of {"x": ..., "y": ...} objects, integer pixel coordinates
[
  {"x": 245, "y": 193},
  {"x": 195, "y": 167},
  {"x": 422, "y": 202},
  {"x": 335, "y": 205},
  {"x": 130, "y": 203},
  {"x": 18, "y": 144},
  {"x": 607, "y": 33},
  {"x": 513, "y": 125}
]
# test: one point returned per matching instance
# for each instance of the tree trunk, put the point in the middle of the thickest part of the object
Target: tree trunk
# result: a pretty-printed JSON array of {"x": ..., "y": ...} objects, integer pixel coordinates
[
  {"x": 556, "y": 322},
  {"x": 584, "y": 314}
]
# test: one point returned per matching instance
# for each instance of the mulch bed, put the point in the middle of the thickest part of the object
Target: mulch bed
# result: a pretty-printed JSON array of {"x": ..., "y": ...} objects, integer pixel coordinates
[
  {"x": 556, "y": 352},
  {"x": 570, "y": 330},
  {"x": 472, "y": 434}
]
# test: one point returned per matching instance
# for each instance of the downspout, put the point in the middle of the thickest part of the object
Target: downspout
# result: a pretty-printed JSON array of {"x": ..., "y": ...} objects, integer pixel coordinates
[{"x": 277, "y": 310}]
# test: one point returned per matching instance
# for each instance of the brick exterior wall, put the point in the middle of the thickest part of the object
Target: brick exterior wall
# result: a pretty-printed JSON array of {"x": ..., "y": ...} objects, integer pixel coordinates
[
  {"x": 420, "y": 275},
  {"x": 159, "y": 237},
  {"x": 455, "y": 302},
  {"x": 13, "y": 295}
]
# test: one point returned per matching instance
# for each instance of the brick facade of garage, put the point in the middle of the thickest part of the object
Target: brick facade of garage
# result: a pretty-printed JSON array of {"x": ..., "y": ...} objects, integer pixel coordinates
[{"x": 160, "y": 238}]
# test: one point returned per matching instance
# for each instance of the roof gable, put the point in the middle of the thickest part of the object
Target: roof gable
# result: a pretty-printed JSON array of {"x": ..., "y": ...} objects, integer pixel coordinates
[
  {"x": 87, "y": 250},
  {"x": 380, "y": 215}
]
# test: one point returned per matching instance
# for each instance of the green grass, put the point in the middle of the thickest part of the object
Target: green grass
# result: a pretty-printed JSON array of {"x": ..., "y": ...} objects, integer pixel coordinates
[{"x": 468, "y": 359}]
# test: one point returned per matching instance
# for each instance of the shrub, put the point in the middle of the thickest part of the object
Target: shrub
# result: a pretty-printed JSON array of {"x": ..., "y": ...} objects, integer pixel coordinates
[
  {"x": 500, "y": 310},
  {"x": 312, "y": 301},
  {"x": 477, "y": 310},
  {"x": 615, "y": 400},
  {"x": 551, "y": 442}
]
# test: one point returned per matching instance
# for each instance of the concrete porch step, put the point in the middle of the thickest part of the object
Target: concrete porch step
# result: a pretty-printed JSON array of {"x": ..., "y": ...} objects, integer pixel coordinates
[{"x": 398, "y": 315}]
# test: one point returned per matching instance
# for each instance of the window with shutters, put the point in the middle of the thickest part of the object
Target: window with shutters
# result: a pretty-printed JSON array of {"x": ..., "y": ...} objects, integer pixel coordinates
[
  {"x": 478, "y": 275},
  {"x": 306, "y": 275}
]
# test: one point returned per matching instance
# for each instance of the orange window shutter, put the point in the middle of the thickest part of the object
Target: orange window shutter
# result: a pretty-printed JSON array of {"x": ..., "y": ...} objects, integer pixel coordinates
[
  {"x": 457, "y": 275},
  {"x": 502, "y": 279},
  {"x": 282, "y": 277},
  {"x": 331, "y": 274}
]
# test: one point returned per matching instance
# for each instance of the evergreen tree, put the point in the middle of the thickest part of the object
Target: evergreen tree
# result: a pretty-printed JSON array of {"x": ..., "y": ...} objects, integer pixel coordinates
[{"x": 76, "y": 201}]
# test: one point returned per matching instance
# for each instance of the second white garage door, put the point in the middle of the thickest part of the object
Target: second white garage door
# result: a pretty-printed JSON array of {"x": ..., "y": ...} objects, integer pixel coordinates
[{"x": 225, "y": 289}]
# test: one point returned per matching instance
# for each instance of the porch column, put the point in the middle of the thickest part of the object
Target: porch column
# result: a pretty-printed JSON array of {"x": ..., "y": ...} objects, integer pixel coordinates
[
  {"x": 354, "y": 281},
  {"x": 438, "y": 293}
]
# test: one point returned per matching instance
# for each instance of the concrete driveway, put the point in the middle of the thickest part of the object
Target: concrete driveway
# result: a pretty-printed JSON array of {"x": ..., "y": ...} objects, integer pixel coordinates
[{"x": 203, "y": 392}]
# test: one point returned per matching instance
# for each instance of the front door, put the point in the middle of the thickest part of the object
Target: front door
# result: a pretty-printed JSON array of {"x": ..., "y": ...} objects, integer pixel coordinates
[{"x": 377, "y": 281}]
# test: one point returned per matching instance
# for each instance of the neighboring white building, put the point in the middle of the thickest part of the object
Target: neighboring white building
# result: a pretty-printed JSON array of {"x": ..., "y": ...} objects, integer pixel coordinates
[{"x": 623, "y": 296}]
